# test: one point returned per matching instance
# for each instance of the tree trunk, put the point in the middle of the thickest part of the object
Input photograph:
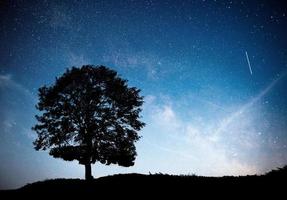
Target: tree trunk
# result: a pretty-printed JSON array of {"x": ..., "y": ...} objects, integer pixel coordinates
[{"x": 88, "y": 172}]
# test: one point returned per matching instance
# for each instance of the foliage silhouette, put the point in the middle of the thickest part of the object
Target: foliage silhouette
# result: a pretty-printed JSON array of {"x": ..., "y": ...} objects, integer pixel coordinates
[{"x": 89, "y": 114}]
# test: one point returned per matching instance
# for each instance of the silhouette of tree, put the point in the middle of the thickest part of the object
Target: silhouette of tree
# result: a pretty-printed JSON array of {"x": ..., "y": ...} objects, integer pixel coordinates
[{"x": 89, "y": 115}]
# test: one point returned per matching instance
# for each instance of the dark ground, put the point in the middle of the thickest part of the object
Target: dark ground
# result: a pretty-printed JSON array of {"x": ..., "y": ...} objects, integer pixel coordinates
[{"x": 137, "y": 185}]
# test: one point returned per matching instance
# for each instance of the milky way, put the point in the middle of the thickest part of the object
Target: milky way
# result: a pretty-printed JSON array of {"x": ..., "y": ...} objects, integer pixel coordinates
[{"x": 206, "y": 113}]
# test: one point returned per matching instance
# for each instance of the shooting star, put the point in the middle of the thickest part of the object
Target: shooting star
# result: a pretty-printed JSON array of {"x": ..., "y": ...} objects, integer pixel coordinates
[{"x": 247, "y": 58}]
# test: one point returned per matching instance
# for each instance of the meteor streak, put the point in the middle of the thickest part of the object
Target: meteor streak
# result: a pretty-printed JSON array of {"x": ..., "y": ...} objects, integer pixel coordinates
[{"x": 247, "y": 58}]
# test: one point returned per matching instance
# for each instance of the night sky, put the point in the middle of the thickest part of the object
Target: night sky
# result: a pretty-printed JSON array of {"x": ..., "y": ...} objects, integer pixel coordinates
[{"x": 208, "y": 111}]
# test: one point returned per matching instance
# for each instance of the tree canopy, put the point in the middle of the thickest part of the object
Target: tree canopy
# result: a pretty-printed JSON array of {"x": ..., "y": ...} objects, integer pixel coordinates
[{"x": 89, "y": 114}]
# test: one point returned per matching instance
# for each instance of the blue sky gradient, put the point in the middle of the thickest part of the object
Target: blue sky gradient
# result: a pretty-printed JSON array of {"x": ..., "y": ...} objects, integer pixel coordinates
[{"x": 205, "y": 113}]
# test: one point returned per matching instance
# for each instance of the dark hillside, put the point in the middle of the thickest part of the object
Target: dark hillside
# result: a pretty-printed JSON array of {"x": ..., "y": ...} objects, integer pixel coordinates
[{"x": 124, "y": 185}]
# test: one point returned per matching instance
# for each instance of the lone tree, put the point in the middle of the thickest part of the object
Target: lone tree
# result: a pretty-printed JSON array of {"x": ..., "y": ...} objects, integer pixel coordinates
[{"x": 89, "y": 114}]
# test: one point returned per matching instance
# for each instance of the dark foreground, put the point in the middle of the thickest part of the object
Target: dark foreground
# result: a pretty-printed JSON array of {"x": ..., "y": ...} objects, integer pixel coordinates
[{"x": 136, "y": 185}]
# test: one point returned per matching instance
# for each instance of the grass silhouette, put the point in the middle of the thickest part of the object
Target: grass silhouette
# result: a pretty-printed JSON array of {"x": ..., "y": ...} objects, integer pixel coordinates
[{"x": 123, "y": 185}]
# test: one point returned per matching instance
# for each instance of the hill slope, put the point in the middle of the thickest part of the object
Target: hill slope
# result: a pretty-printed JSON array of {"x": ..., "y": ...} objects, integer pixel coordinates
[{"x": 127, "y": 184}]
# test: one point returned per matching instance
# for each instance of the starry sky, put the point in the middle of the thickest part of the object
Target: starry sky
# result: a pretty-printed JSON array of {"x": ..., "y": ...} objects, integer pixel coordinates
[{"x": 206, "y": 113}]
